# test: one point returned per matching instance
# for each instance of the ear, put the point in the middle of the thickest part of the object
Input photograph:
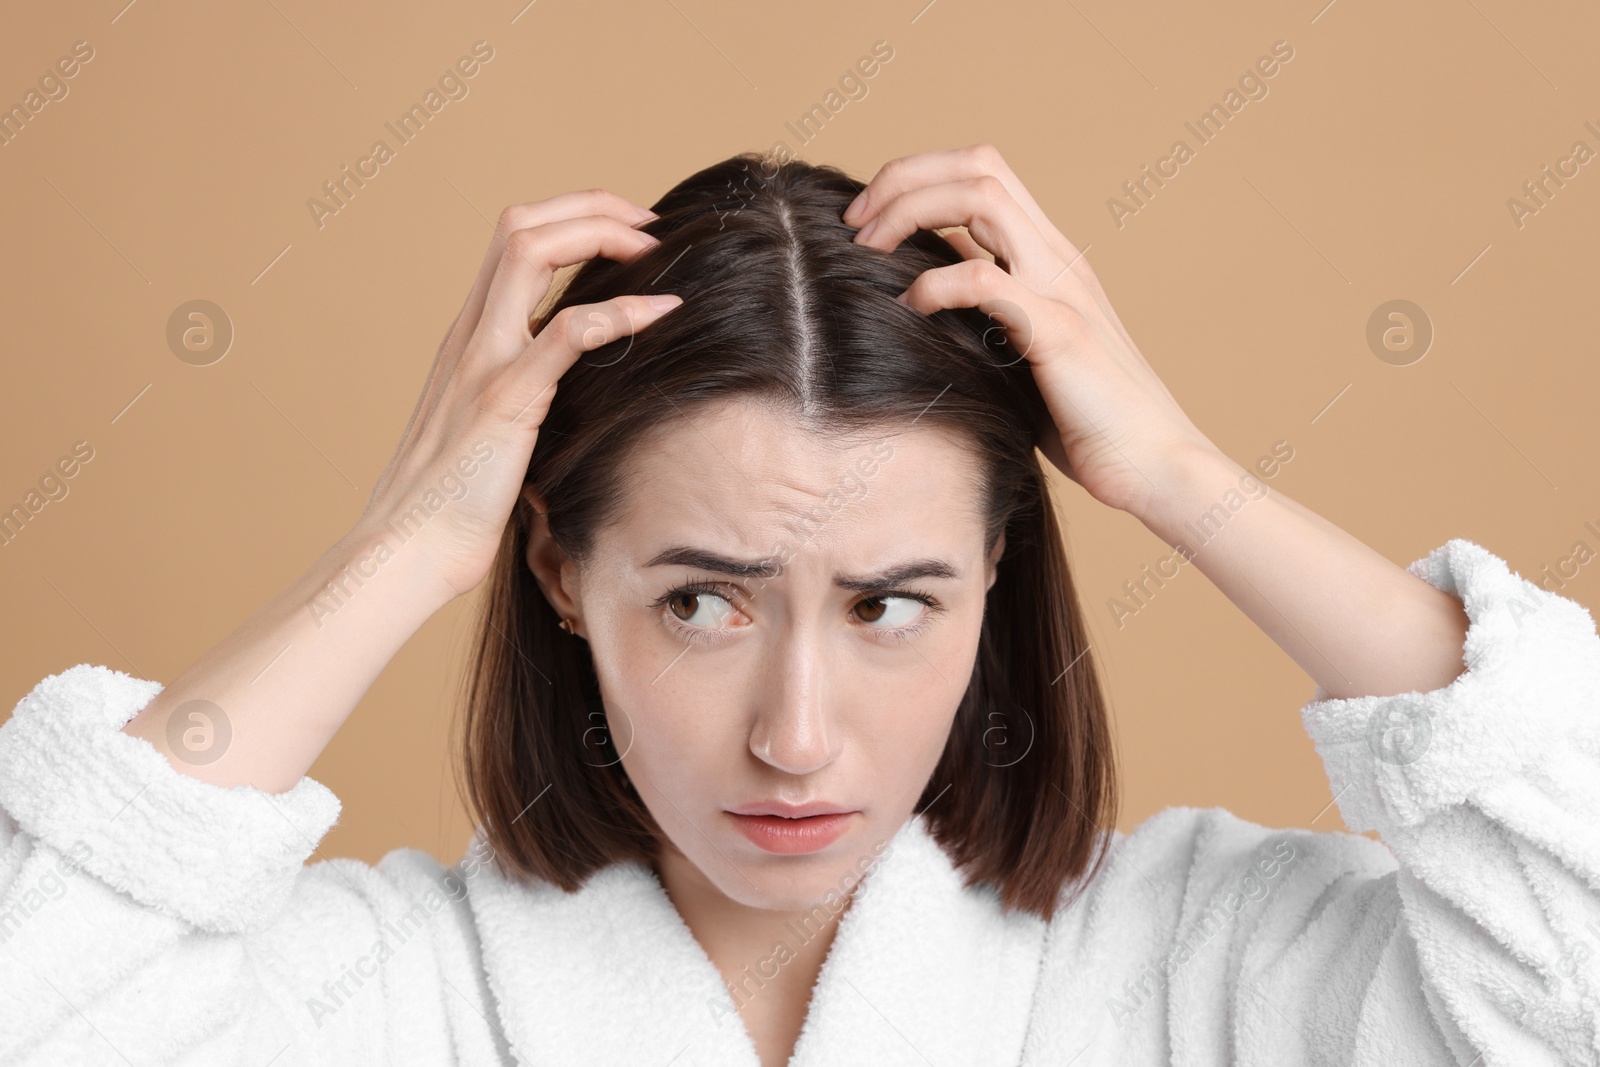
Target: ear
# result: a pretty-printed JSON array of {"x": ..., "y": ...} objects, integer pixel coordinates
[
  {"x": 556, "y": 574},
  {"x": 994, "y": 560}
]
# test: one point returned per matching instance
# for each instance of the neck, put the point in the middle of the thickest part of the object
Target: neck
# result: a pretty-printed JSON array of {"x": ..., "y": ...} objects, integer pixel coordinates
[{"x": 763, "y": 954}]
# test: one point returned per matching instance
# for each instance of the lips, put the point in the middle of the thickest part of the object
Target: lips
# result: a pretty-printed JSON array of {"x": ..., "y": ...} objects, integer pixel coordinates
[
  {"x": 792, "y": 811},
  {"x": 784, "y": 836}
]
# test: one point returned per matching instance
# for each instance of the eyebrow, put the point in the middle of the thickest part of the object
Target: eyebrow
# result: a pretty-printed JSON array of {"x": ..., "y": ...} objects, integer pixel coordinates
[{"x": 899, "y": 573}]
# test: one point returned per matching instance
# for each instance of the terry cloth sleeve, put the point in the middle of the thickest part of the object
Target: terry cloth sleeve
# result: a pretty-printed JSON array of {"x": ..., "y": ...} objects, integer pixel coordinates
[
  {"x": 1487, "y": 793},
  {"x": 1476, "y": 938},
  {"x": 147, "y": 916},
  {"x": 1468, "y": 935}
]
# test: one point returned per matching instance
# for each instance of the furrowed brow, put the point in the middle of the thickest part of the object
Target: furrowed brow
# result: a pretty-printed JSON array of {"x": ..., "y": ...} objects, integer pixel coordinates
[
  {"x": 700, "y": 559},
  {"x": 896, "y": 575},
  {"x": 900, "y": 573}
]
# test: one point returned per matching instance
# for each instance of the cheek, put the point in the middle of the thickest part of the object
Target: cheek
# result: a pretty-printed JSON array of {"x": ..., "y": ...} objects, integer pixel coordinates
[
  {"x": 681, "y": 740},
  {"x": 905, "y": 727},
  {"x": 673, "y": 754},
  {"x": 673, "y": 732},
  {"x": 914, "y": 723}
]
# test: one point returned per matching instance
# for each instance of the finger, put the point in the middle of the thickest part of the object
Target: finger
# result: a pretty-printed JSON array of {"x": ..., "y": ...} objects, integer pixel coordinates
[
  {"x": 982, "y": 205},
  {"x": 925, "y": 168},
  {"x": 513, "y": 218},
  {"x": 962, "y": 241},
  {"x": 1030, "y": 322},
  {"x": 524, "y": 216},
  {"x": 528, "y": 265},
  {"x": 942, "y": 165},
  {"x": 1038, "y": 328},
  {"x": 523, "y": 389}
]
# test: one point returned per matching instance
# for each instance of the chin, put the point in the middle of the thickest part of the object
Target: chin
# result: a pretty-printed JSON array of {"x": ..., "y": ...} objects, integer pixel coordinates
[
  {"x": 778, "y": 881},
  {"x": 820, "y": 884}
]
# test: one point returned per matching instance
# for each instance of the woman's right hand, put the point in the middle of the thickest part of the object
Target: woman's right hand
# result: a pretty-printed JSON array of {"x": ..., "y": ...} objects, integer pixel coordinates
[{"x": 449, "y": 488}]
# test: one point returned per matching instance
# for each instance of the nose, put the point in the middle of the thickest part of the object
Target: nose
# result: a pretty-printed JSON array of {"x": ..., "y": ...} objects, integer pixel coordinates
[{"x": 794, "y": 729}]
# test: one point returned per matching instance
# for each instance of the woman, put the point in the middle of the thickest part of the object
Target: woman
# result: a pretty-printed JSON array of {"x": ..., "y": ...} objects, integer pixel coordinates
[{"x": 783, "y": 731}]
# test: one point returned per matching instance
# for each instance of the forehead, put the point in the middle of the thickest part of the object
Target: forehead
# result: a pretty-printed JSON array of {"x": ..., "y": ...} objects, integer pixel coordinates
[{"x": 746, "y": 479}]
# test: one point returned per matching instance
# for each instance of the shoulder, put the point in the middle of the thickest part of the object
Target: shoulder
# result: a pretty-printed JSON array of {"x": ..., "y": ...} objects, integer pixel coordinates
[
  {"x": 402, "y": 875},
  {"x": 1196, "y": 901},
  {"x": 1181, "y": 857},
  {"x": 345, "y": 911},
  {"x": 1207, "y": 840}
]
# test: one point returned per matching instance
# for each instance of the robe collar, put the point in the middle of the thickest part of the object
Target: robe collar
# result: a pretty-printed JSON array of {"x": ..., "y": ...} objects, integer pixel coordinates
[{"x": 921, "y": 970}]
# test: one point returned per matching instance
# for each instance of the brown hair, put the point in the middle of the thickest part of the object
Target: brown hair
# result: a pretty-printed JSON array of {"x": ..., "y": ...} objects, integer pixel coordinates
[{"x": 781, "y": 307}]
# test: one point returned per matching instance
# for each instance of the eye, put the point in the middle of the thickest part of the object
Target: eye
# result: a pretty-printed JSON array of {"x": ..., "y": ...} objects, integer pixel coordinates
[
  {"x": 698, "y": 607},
  {"x": 697, "y": 612},
  {"x": 898, "y": 615},
  {"x": 892, "y": 612}
]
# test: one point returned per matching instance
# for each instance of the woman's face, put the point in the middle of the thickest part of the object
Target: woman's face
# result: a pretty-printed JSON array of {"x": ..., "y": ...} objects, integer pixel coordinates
[{"x": 726, "y": 690}]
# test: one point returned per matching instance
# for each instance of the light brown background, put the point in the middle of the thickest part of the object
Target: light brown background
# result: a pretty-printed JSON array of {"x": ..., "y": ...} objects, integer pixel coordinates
[{"x": 1378, "y": 167}]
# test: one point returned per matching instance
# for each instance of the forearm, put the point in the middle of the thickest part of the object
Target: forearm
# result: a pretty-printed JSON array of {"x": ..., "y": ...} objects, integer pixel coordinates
[
  {"x": 1358, "y": 623},
  {"x": 288, "y": 677}
]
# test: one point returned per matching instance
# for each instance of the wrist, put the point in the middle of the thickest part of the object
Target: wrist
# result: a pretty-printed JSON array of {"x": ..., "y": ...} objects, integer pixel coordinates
[
  {"x": 1198, "y": 479},
  {"x": 376, "y": 567}
]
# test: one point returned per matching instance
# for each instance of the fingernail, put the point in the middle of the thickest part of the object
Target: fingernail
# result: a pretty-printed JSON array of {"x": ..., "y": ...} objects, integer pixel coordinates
[
  {"x": 662, "y": 301},
  {"x": 866, "y": 231},
  {"x": 855, "y": 207}
]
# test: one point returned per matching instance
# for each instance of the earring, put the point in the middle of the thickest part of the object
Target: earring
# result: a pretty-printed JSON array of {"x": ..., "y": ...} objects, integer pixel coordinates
[{"x": 565, "y": 625}]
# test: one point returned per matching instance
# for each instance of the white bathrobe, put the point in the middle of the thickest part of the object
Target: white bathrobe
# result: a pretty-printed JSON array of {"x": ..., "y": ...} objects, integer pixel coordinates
[{"x": 149, "y": 917}]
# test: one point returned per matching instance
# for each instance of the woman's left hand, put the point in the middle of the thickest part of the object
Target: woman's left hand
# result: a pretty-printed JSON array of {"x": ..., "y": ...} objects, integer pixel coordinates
[{"x": 1118, "y": 431}]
